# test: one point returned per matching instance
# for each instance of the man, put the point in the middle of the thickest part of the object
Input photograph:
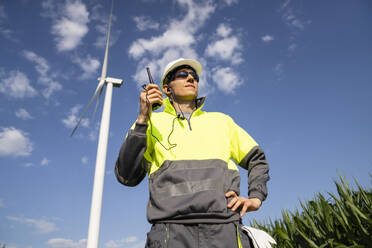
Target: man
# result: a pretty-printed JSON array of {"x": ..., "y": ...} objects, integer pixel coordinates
[{"x": 189, "y": 156}]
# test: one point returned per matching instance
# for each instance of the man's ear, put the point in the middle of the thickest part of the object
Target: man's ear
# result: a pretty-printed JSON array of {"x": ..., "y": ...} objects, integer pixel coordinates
[{"x": 167, "y": 90}]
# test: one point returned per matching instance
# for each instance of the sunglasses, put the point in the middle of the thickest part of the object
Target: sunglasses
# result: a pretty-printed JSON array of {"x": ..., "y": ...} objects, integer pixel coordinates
[{"x": 185, "y": 74}]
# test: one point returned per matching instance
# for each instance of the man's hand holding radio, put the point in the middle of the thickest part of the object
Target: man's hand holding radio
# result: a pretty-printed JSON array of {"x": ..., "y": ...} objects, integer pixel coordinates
[{"x": 150, "y": 95}]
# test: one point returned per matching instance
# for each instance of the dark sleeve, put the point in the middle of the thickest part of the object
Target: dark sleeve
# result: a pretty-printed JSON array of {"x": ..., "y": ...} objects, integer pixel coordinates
[
  {"x": 131, "y": 166},
  {"x": 258, "y": 173}
]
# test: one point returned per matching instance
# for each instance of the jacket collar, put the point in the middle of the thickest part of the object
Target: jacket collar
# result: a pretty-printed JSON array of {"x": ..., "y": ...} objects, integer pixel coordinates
[{"x": 168, "y": 106}]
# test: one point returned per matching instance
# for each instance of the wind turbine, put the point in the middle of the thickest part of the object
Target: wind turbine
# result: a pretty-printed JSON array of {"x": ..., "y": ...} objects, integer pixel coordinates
[{"x": 96, "y": 206}]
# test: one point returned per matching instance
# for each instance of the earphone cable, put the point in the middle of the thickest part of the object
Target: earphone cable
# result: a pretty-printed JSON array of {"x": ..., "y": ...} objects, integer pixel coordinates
[
  {"x": 183, "y": 115},
  {"x": 149, "y": 106}
]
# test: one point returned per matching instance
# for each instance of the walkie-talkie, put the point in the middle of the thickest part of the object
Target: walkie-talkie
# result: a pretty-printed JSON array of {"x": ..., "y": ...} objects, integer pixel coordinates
[{"x": 155, "y": 105}]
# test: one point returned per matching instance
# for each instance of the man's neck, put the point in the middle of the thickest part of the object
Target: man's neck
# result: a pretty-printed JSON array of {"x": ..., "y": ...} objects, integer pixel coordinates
[{"x": 184, "y": 106}]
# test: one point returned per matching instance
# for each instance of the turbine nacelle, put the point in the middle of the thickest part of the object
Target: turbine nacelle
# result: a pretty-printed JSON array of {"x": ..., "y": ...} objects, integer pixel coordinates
[{"x": 115, "y": 81}]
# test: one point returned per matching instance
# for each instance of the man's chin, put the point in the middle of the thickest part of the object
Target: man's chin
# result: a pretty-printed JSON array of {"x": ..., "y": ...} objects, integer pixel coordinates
[{"x": 189, "y": 97}]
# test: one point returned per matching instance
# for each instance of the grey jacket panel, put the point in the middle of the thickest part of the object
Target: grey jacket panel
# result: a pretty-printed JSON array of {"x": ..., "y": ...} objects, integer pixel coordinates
[
  {"x": 131, "y": 166},
  {"x": 258, "y": 173},
  {"x": 192, "y": 191}
]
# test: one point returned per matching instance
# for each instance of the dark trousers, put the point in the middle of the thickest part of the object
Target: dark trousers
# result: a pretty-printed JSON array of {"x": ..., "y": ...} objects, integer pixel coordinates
[{"x": 168, "y": 235}]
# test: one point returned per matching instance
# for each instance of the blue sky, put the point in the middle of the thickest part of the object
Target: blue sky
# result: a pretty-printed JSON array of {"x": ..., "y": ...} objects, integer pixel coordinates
[{"x": 295, "y": 74}]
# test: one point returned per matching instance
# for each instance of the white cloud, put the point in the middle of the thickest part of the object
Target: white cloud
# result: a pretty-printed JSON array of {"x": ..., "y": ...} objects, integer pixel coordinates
[
  {"x": 44, "y": 162},
  {"x": 41, "y": 225},
  {"x": 293, "y": 17},
  {"x": 267, "y": 38},
  {"x": 284, "y": 4},
  {"x": 224, "y": 30},
  {"x": 46, "y": 78},
  {"x": 52, "y": 87},
  {"x": 180, "y": 32},
  {"x": 23, "y": 114},
  {"x": 14, "y": 142},
  {"x": 139, "y": 244},
  {"x": 290, "y": 18},
  {"x": 178, "y": 40},
  {"x": 228, "y": 48},
  {"x": 5, "y": 31},
  {"x": 97, "y": 14},
  {"x": 17, "y": 85},
  {"x": 71, "y": 26},
  {"x": 226, "y": 79},
  {"x": 171, "y": 38},
  {"x": 225, "y": 49},
  {"x": 41, "y": 65},
  {"x": 93, "y": 134},
  {"x": 14, "y": 246},
  {"x": 293, "y": 21},
  {"x": 72, "y": 118},
  {"x": 144, "y": 23},
  {"x": 84, "y": 160},
  {"x": 122, "y": 242},
  {"x": 130, "y": 239},
  {"x": 28, "y": 165},
  {"x": 292, "y": 47},
  {"x": 89, "y": 66},
  {"x": 102, "y": 38},
  {"x": 2, "y": 203},
  {"x": 3, "y": 15},
  {"x": 49, "y": 9},
  {"x": 230, "y": 2},
  {"x": 278, "y": 69},
  {"x": 66, "y": 243}
]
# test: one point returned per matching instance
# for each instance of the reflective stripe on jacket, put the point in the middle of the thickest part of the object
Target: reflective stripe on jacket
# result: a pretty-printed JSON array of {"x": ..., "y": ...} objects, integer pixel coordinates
[{"x": 191, "y": 166}]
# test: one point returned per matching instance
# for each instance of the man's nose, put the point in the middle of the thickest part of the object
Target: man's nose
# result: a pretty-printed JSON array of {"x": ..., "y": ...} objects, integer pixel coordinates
[{"x": 190, "y": 78}]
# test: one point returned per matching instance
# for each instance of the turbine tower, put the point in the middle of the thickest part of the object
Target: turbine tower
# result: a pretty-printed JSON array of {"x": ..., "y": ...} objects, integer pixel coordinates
[{"x": 96, "y": 206}]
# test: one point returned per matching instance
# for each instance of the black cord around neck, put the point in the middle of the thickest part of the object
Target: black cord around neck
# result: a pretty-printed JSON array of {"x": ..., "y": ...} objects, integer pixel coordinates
[{"x": 183, "y": 115}]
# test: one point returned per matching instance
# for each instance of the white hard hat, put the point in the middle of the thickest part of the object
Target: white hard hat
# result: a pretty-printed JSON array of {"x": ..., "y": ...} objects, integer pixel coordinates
[{"x": 178, "y": 62}]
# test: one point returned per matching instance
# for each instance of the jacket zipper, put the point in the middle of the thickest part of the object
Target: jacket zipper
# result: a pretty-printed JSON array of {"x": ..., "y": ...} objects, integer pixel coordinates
[{"x": 188, "y": 120}]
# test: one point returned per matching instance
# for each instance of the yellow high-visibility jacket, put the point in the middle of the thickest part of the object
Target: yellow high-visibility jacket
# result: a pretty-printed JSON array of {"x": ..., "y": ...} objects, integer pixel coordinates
[{"x": 190, "y": 164}]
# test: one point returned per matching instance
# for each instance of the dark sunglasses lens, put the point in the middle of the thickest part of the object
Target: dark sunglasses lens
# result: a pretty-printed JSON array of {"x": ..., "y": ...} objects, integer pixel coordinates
[
  {"x": 184, "y": 74},
  {"x": 181, "y": 74},
  {"x": 195, "y": 76}
]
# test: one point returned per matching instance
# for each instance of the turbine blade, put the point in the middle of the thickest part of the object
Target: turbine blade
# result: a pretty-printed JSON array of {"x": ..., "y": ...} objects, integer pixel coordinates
[
  {"x": 98, "y": 91},
  {"x": 97, "y": 103},
  {"x": 104, "y": 65}
]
